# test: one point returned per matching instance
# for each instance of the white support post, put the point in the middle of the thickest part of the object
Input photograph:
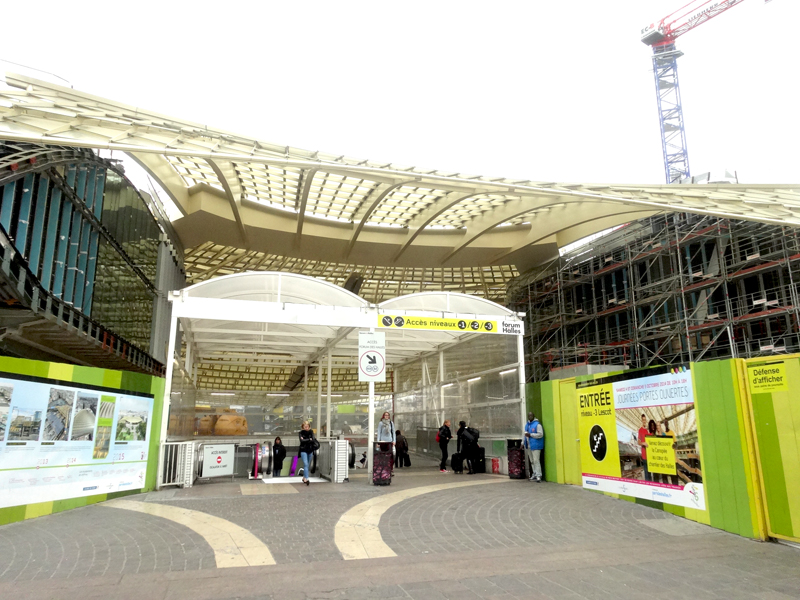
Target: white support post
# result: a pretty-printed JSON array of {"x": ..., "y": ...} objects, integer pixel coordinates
[
  {"x": 319, "y": 399},
  {"x": 426, "y": 380},
  {"x": 442, "y": 416},
  {"x": 305, "y": 399},
  {"x": 522, "y": 399},
  {"x": 371, "y": 428},
  {"x": 173, "y": 334},
  {"x": 328, "y": 409}
]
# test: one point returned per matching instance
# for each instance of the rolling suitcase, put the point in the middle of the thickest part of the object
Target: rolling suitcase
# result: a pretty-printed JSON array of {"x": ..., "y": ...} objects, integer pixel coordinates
[
  {"x": 516, "y": 463},
  {"x": 457, "y": 463},
  {"x": 382, "y": 463},
  {"x": 479, "y": 460}
]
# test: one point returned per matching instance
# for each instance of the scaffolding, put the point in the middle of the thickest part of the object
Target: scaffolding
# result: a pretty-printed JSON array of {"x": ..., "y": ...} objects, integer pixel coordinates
[{"x": 668, "y": 289}]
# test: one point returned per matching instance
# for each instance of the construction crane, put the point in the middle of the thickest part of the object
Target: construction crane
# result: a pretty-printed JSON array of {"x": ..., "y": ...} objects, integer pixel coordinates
[{"x": 661, "y": 37}]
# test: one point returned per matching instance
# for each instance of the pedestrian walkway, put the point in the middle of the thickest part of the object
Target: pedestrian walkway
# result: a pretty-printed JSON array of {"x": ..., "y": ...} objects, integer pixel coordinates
[{"x": 430, "y": 536}]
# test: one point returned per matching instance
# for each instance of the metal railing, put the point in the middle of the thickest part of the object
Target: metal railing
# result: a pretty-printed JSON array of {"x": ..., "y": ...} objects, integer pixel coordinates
[{"x": 177, "y": 464}]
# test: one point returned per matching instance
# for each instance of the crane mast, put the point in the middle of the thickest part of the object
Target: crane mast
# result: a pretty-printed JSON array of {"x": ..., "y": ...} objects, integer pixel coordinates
[{"x": 661, "y": 37}]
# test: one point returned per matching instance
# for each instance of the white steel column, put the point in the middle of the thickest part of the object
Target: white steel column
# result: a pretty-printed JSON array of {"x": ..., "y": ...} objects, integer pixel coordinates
[
  {"x": 522, "y": 400},
  {"x": 305, "y": 399},
  {"x": 173, "y": 334},
  {"x": 328, "y": 422},
  {"x": 426, "y": 380},
  {"x": 371, "y": 429},
  {"x": 319, "y": 399},
  {"x": 442, "y": 416}
]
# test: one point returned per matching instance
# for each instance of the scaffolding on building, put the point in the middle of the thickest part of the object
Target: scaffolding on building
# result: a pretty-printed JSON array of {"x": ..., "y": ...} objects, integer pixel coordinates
[{"x": 668, "y": 289}]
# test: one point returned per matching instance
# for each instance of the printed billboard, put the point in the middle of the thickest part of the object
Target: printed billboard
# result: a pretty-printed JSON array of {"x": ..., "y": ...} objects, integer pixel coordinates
[
  {"x": 61, "y": 441},
  {"x": 638, "y": 436}
]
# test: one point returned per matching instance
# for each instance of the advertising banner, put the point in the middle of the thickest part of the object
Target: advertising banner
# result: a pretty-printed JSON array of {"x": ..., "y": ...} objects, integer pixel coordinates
[
  {"x": 60, "y": 441},
  {"x": 638, "y": 434}
]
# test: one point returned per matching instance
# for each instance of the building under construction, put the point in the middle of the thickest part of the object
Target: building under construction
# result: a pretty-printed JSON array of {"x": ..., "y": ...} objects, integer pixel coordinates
[{"x": 666, "y": 289}]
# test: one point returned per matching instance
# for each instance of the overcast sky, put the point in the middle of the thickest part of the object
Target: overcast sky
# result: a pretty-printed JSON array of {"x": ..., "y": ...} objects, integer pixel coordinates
[{"x": 548, "y": 91}]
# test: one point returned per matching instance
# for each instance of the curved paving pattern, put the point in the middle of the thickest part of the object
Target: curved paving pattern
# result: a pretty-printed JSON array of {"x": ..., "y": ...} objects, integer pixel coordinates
[
  {"x": 95, "y": 542},
  {"x": 522, "y": 515},
  {"x": 233, "y": 546},
  {"x": 357, "y": 534}
]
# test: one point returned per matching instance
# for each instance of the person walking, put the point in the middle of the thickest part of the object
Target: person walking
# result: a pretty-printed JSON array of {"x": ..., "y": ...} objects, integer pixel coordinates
[
  {"x": 387, "y": 436},
  {"x": 402, "y": 449},
  {"x": 443, "y": 436},
  {"x": 307, "y": 443},
  {"x": 534, "y": 444},
  {"x": 465, "y": 445},
  {"x": 278, "y": 456}
]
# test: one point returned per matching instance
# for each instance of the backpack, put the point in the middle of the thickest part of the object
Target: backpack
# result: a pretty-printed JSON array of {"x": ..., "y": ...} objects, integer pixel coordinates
[
  {"x": 438, "y": 438},
  {"x": 474, "y": 433}
]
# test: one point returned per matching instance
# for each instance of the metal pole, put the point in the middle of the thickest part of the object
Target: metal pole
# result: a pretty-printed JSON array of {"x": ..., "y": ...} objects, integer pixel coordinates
[
  {"x": 319, "y": 398},
  {"x": 305, "y": 398},
  {"x": 173, "y": 334},
  {"x": 328, "y": 418},
  {"x": 522, "y": 399},
  {"x": 371, "y": 434}
]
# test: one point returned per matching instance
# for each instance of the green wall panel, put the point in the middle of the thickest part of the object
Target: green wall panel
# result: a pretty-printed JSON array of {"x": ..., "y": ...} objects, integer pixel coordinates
[{"x": 723, "y": 457}]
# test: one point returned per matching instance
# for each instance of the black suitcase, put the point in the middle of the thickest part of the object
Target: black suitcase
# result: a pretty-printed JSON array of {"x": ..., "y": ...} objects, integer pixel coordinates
[
  {"x": 479, "y": 460},
  {"x": 457, "y": 463},
  {"x": 382, "y": 463}
]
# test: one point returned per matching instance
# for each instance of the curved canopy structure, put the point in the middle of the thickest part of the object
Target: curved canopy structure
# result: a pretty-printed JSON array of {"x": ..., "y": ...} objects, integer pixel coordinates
[
  {"x": 284, "y": 322},
  {"x": 240, "y": 192}
]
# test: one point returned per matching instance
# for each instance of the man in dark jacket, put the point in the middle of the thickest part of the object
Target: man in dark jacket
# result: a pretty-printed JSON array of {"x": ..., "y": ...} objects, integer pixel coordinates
[
  {"x": 444, "y": 436},
  {"x": 467, "y": 442},
  {"x": 401, "y": 448}
]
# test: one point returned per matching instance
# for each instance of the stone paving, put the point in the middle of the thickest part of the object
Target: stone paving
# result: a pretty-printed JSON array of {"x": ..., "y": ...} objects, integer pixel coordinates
[
  {"x": 95, "y": 541},
  {"x": 511, "y": 540}
]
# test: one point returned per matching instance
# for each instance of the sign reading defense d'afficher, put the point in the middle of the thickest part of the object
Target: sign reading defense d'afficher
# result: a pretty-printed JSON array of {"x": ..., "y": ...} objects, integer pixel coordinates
[{"x": 767, "y": 377}]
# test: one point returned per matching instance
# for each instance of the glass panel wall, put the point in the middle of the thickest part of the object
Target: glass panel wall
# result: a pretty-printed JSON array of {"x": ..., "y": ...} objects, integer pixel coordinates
[{"x": 480, "y": 385}]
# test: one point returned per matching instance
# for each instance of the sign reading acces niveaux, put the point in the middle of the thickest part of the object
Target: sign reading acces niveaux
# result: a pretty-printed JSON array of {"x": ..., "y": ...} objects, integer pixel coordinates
[{"x": 465, "y": 324}]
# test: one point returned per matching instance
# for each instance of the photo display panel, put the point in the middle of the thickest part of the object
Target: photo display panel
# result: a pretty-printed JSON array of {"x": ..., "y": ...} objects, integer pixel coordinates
[
  {"x": 638, "y": 436},
  {"x": 60, "y": 440}
]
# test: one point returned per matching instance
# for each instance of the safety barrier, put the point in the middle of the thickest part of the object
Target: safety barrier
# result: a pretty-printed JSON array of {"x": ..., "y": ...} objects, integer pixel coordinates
[{"x": 177, "y": 464}]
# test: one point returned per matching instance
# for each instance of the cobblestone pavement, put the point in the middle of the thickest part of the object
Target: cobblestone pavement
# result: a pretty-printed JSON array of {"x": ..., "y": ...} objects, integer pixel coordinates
[
  {"x": 95, "y": 541},
  {"x": 510, "y": 540},
  {"x": 508, "y": 516}
]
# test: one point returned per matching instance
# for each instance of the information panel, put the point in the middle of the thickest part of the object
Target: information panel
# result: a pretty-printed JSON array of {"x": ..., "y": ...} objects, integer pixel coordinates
[
  {"x": 638, "y": 434},
  {"x": 60, "y": 441}
]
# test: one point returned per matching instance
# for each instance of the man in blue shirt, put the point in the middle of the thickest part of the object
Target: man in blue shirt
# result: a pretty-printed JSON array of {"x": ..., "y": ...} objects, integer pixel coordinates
[{"x": 534, "y": 444}]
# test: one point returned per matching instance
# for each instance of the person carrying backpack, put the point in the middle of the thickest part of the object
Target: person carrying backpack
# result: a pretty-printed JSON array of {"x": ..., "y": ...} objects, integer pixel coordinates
[
  {"x": 534, "y": 444},
  {"x": 467, "y": 443},
  {"x": 443, "y": 437},
  {"x": 402, "y": 450}
]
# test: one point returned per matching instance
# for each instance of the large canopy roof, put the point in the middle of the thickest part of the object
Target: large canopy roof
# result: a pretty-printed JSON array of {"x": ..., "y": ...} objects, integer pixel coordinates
[{"x": 240, "y": 192}]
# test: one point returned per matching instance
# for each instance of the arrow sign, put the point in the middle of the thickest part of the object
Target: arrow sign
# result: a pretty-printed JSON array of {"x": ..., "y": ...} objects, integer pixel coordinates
[{"x": 371, "y": 356}]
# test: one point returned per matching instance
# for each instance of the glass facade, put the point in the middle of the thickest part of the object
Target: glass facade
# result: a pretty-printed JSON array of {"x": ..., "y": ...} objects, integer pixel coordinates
[
  {"x": 87, "y": 236},
  {"x": 479, "y": 384}
]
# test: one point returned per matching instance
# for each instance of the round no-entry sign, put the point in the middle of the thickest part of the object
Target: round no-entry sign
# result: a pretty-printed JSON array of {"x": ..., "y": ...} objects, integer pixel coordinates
[
  {"x": 371, "y": 363},
  {"x": 219, "y": 460}
]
